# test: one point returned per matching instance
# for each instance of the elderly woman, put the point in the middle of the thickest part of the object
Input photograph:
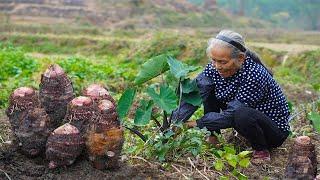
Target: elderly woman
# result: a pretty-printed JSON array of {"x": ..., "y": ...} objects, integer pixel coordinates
[{"x": 238, "y": 91}]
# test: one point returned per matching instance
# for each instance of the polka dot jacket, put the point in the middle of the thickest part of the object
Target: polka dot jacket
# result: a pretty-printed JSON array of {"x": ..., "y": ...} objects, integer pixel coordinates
[{"x": 254, "y": 86}]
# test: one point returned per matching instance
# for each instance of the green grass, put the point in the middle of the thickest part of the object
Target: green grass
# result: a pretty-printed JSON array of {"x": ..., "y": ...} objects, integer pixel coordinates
[
  {"x": 114, "y": 59},
  {"x": 301, "y": 69}
]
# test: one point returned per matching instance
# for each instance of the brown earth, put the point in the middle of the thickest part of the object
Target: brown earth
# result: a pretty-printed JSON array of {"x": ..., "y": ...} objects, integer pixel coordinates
[{"x": 17, "y": 166}]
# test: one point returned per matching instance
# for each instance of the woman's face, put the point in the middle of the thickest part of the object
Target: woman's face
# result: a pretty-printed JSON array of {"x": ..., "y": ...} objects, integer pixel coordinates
[{"x": 221, "y": 60}]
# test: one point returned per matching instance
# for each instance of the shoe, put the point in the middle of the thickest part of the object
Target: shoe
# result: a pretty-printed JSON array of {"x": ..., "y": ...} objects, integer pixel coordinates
[{"x": 259, "y": 157}]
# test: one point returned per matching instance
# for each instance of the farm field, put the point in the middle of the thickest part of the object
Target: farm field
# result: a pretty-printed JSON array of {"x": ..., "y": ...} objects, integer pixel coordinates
[{"x": 114, "y": 58}]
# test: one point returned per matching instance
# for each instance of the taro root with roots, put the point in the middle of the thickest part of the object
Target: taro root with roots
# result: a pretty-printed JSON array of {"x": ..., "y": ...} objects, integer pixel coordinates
[
  {"x": 56, "y": 92},
  {"x": 302, "y": 161},
  {"x": 30, "y": 124},
  {"x": 98, "y": 92},
  {"x": 21, "y": 100},
  {"x": 33, "y": 132},
  {"x": 105, "y": 137},
  {"x": 64, "y": 145},
  {"x": 81, "y": 110}
]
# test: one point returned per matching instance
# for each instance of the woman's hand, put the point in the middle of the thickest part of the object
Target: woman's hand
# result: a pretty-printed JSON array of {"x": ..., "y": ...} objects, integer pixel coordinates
[{"x": 191, "y": 124}]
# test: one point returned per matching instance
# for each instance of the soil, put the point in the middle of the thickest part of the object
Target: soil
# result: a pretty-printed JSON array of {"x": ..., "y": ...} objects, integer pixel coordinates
[{"x": 17, "y": 166}]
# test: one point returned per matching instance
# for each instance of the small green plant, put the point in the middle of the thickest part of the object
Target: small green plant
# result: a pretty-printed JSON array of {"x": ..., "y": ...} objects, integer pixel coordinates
[
  {"x": 228, "y": 159},
  {"x": 314, "y": 116}
]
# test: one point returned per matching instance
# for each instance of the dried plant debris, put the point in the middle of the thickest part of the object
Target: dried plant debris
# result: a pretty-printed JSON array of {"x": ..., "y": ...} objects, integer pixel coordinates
[
  {"x": 302, "y": 161},
  {"x": 56, "y": 92},
  {"x": 64, "y": 145},
  {"x": 105, "y": 137},
  {"x": 98, "y": 92},
  {"x": 81, "y": 110}
]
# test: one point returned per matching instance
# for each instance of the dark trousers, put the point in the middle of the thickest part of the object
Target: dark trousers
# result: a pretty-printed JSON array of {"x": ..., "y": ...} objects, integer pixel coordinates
[{"x": 255, "y": 126}]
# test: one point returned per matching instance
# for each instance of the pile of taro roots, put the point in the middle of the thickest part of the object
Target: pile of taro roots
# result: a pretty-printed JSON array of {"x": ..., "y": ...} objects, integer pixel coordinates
[{"x": 54, "y": 122}]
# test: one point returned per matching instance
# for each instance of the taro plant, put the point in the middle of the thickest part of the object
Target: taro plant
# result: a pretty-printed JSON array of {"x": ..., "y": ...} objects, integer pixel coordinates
[
  {"x": 158, "y": 100},
  {"x": 162, "y": 98}
]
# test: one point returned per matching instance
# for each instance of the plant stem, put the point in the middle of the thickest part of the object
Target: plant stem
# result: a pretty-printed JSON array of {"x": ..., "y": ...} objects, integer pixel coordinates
[
  {"x": 138, "y": 133},
  {"x": 165, "y": 124},
  {"x": 157, "y": 122},
  {"x": 180, "y": 95}
]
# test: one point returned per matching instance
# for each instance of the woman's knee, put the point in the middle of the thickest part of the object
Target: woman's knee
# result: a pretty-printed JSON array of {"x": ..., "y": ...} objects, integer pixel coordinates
[{"x": 243, "y": 116}]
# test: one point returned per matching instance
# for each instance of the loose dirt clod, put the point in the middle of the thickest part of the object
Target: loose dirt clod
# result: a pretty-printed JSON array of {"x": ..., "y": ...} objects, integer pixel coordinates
[
  {"x": 64, "y": 145},
  {"x": 302, "y": 161},
  {"x": 56, "y": 92},
  {"x": 105, "y": 137},
  {"x": 81, "y": 110}
]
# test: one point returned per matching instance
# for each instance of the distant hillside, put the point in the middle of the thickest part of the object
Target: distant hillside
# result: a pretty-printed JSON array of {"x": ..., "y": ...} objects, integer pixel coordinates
[
  {"x": 289, "y": 14},
  {"x": 122, "y": 14}
]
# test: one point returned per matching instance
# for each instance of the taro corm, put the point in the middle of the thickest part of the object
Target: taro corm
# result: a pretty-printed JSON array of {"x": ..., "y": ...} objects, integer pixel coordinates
[
  {"x": 81, "y": 110},
  {"x": 30, "y": 123},
  {"x": 105, "y": 137},
  {"x": 302, "y": 160},
  {"x": 91, "y": 118},
  {"x": 64, "y": 145},
  {"x": 20, "y": 101},
  {"x": 98, "y": 92},
  {"x": 56, "y": 92}
]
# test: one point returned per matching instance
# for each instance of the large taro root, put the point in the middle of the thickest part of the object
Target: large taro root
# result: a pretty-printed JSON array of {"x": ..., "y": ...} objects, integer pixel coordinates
[
  {"x": 105, "y": 137},
  {"x": 81, "y": 110},
  {"x": 64, "y": 145},
  {"x": 56, "y": 92},
  {"x": 20, "y": 102},
  {"x": 97, "y": 92},
  {"x": 302, "y": 162},
  {"x": 33, "y": 132}
]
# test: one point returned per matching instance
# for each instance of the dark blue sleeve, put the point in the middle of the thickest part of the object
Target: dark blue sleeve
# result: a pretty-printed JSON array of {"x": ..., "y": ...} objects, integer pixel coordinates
[
  {"x": 205, "y": 86},
  {"x": 215, "y": 121}
]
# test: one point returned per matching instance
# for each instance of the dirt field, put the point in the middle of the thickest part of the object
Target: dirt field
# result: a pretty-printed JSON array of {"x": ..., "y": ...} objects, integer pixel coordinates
[{"x": 14, "y": 165}]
